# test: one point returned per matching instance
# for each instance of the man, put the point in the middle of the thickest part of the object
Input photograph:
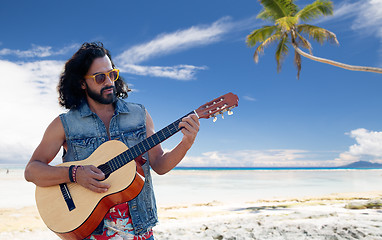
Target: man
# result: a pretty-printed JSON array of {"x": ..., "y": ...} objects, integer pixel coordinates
[{"x": 91, "y": 88}]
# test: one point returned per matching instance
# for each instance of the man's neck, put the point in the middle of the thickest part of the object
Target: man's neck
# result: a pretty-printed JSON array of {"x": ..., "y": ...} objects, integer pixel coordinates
[
  {"x": 99, "y": 108},
  {"x": 104, "y": 111}
]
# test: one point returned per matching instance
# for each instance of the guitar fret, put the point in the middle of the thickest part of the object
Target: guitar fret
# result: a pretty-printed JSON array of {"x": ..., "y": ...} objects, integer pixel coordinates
[
  {"x": 118, "y": 163},
  {"x": 146, "y": 144},
  {"x": 158, "y": 140},
  {"x": 143, "y": 147},
  {"x": 152, "y": 140},
  {"x": 135, "y": 151},
  {"x": 110, "y": 163},
  {"x": 124, "y": 159},
  {"x": 158, "y": 134},
  {"x": 113, "y": 164},
  {"x": 130, "y": 154},
  {"x": 167, "y": 131}
]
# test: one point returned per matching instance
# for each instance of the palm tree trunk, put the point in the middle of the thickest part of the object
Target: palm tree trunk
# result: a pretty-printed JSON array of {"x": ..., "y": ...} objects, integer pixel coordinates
[{"x": 337, "y": 64}]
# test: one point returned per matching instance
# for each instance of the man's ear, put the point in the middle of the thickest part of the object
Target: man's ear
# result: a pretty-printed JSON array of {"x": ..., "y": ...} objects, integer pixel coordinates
[{"x": 83, "y": 85}]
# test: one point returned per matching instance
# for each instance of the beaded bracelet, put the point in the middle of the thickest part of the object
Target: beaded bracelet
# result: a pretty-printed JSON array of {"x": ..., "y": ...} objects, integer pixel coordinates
[
  {"x": 74, "y": 173},
  {"x": 71, "y": 173}
]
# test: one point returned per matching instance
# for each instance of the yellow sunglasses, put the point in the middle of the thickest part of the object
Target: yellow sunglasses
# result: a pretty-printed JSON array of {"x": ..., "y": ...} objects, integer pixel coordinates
[{"x": 100, "y": 78}]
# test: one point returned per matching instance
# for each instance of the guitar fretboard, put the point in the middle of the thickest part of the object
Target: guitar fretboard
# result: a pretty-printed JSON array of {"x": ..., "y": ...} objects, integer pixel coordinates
[{"x": 143, "y": 146}]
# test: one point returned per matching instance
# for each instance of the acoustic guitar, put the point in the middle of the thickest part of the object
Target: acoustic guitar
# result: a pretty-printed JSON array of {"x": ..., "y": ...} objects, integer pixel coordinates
[{"x": 74, "y": 212}]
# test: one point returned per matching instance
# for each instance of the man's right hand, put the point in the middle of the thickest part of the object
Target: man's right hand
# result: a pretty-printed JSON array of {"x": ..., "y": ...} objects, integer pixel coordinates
[{"x": 90, "y": 177}]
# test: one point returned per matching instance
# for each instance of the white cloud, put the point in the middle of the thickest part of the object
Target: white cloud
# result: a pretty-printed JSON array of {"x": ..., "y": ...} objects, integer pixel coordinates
[
  {"x": 179, "y": 72},
  {"x": 345, "y": 10},
  {"x": 248, "y": 98},
  {"x": 254, "y": 158},
  {"x": 165, "y": 44},
  {"x": 368, "y": 147},
  {"x": 37, "y": 51},
  {"x": 29, "y": 103},
  {"x": 369, "y": 20},
  {"x": 169, "y": 43},
  {"x": 369, "y": 17}
]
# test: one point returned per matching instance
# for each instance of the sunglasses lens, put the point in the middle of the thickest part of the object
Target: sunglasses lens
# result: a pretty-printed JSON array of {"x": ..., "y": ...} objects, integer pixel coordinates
[
  {"x": 113, "y": 75},
  {"x": 100, "y": 78}
]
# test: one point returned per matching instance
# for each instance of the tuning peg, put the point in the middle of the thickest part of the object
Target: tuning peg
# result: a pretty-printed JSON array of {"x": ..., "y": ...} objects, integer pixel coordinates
[
  {"x": 215, "y": 118},
  {"x": 222, "y": 115},
  {"x": 230, "y": 112}
]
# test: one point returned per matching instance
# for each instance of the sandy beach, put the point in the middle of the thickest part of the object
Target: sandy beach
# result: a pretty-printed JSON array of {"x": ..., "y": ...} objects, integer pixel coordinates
[
  {"x": 326, "y": 217},
  {"x": 351, "y": 215}
]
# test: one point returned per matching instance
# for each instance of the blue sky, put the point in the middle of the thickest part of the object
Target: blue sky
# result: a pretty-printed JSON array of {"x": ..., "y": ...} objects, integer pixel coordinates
[{"x": 177, "y": 55}]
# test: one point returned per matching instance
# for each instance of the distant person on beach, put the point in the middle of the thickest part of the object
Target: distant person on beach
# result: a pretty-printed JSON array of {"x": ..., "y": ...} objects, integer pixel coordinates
[{"x": 91, "y": 88}]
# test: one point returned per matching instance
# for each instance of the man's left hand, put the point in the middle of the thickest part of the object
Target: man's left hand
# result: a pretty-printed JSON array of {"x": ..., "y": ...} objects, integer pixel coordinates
[{"x": 190, "y": 129}]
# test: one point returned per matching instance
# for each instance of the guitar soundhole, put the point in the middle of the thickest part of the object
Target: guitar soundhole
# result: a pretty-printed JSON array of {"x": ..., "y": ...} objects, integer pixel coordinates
[{"x": 105, "y": 169}]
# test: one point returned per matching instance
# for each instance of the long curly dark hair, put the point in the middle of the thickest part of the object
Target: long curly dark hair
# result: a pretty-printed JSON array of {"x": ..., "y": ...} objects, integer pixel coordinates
[{"x": 69, "y": 87}]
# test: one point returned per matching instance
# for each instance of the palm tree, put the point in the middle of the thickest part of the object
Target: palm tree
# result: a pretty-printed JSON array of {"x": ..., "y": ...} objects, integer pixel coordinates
[{"x": 286, "y": 29}]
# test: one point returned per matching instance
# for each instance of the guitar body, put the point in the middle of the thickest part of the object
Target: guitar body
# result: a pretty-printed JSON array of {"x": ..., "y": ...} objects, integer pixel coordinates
[{"x": 90, "y": 207}]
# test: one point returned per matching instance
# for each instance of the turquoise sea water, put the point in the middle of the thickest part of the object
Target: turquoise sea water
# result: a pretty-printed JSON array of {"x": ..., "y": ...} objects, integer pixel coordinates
[
  {"x": 245, "y": 185},
  {"x": 268, "y": 168},
  {"x": 203, "y": 185}
]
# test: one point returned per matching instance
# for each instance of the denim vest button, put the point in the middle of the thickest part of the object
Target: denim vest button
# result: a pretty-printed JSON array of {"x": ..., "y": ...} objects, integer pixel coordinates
[{"x": 103, "y": 139}]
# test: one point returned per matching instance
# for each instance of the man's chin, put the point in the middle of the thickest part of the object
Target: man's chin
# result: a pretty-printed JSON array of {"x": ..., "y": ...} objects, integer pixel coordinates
[{"x": 109, "y": 99}]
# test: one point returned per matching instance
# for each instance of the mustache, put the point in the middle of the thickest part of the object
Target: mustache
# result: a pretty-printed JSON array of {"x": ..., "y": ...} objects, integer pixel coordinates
[{"x": 106, "y": 88}]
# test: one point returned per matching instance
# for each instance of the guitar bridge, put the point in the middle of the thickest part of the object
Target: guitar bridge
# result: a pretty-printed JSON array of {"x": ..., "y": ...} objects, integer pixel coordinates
[{"x": 67, "y": 196}]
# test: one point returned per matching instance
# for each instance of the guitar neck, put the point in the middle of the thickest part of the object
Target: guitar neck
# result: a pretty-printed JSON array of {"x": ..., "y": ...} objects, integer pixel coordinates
[{"x": 142, "y": 147}]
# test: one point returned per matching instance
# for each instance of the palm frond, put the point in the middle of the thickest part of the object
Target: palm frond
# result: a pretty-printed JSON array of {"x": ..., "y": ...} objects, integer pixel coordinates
[
  {"x": 301, "y": 41},
  {"x": 317, "y": 33},
  {"x": 259, "y": 35},
  {"x": 297, "y": 63},
  {"x": 281, "y": 51},
  {"x": 317, "y": 9},
  {"x": 265, "y": 15},
  {"x": 278, "y": 8},
  {"x": 260, "y": 49}
]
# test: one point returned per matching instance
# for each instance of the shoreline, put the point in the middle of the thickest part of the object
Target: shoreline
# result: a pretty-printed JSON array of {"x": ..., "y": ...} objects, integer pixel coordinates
[{"x": 324, "y": 217}]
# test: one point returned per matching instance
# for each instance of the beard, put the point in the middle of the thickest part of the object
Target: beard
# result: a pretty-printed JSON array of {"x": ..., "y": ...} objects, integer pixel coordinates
[{"x": 98, "y": 97}]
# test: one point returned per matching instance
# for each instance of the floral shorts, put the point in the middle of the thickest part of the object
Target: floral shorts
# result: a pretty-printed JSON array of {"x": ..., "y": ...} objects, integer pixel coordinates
[{"x": 119, "y": 226}]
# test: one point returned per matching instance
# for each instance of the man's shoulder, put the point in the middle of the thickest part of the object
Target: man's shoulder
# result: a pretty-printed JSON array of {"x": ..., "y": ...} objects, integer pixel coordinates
[
  {"x": 124, "y": 106},
  {"x": 82, "y": 110},
  {"x": 71, "y": 112}
]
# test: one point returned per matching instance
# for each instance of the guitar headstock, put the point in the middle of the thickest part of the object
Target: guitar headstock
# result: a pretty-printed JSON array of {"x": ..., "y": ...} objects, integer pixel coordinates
[{"x": 217, "y": 106}]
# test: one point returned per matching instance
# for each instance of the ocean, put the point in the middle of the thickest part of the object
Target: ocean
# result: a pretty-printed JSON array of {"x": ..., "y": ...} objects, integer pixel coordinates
[
  {"x": 182, "y": 186},
  {"x": 234, "y": 185}
]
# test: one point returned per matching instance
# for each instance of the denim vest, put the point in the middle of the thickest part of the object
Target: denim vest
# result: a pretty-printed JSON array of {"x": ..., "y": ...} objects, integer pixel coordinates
[{"x": 85, "y": 132}]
